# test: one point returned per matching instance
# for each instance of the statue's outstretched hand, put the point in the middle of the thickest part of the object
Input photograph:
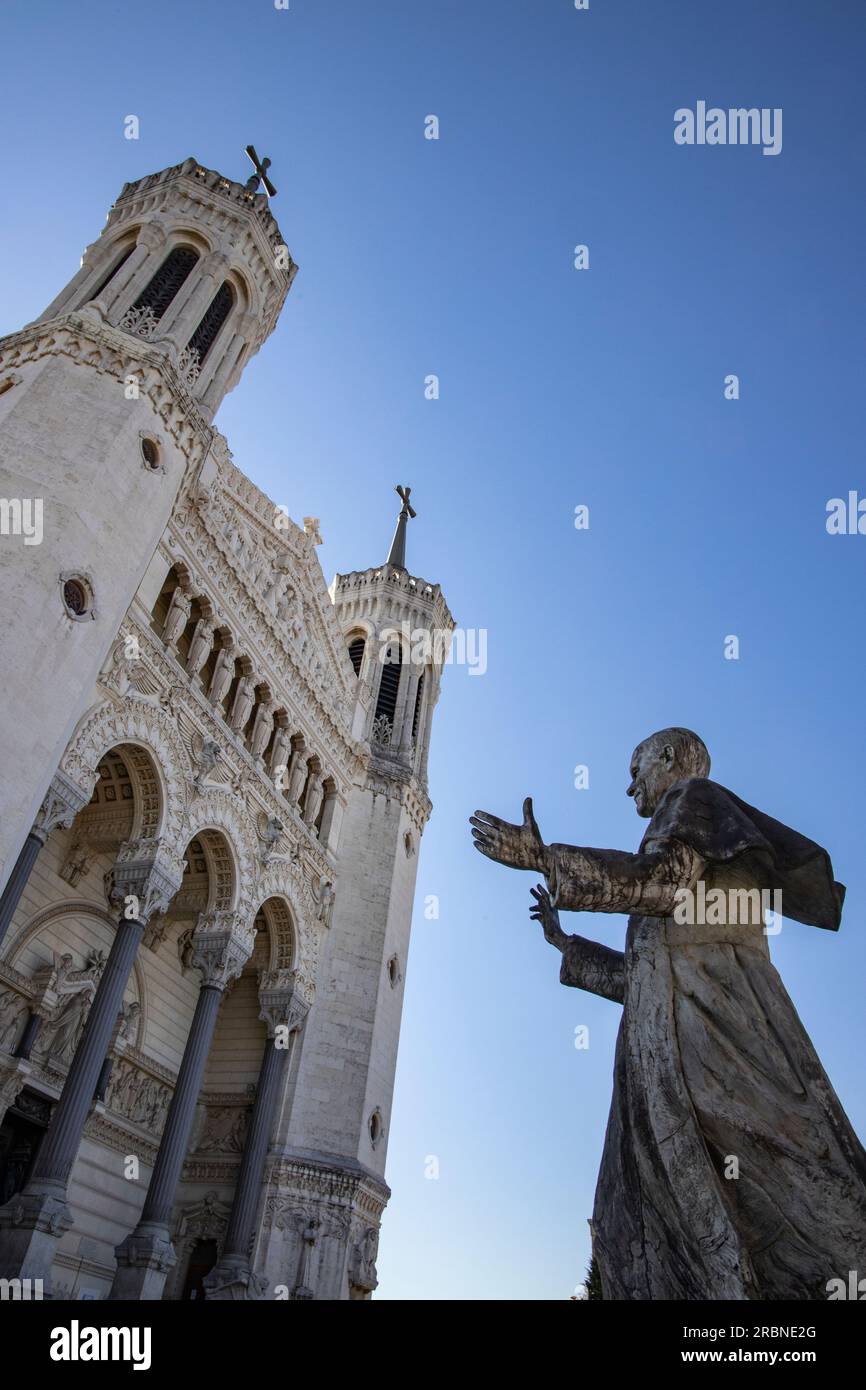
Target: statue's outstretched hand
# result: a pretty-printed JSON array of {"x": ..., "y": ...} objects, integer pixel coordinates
[
  {"x": 518, "y": 846},
  {"x": 545, "y": 913}
]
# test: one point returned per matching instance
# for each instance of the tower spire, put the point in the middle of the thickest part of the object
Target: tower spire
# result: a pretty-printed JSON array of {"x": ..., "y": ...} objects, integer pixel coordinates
[{"x": 397, "y": 553}]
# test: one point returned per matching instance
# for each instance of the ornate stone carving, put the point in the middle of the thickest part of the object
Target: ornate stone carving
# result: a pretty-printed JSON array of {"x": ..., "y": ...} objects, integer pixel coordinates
[
  {"x": 207, "y": 753},
  {"x": 76, "y": 863},
  {"x": 63, "y": 800},
  {"x": 362, "y": 1259},
  {"x": 200, "y": 646},
  {"x": 270, "y": 831},
  {"x": 382, "y": 730},
  {"x": 61, "y": 1030},
  {"x": 324, "y": 896},
  {"x": 138, "y": 1096},
  {"x": 189, "y": 365},
  {"x": 224, "y": 1130},
  {"x": 142, "y": 322},
  {"x": 223, "y": 672},
  {"x": 177, "y": 616},
  {"x": 220, "y": 947},
  {"x": 262, "y": 728},
  {"x": 137, "y": 722},
  {"x": 148, "y": 871},
  {"x": 13, "y": 1015},
  {"x": 281, "y": 1005}
]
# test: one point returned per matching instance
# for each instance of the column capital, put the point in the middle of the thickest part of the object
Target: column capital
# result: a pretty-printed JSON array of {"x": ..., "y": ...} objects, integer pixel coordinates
[
  {"x": 222, "y": 943},
  {"x": 151, "y": 235},
  {"x": 215, "y": 264},
  {"x": 63, "y": 800},
  {"x": 149, "y": 871},
  {"x": 280, "y": 1003}
]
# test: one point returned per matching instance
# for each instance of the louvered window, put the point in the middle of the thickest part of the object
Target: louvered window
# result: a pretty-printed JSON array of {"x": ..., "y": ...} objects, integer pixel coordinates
[
  {"x": 215, "y": 316},
  {"x": 164, "y": 285},
  {"x": 386, "y": 704},
  {"x": 356, "y": 653}
]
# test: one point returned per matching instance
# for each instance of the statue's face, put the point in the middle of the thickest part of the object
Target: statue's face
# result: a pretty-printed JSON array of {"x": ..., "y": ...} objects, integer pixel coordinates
[{"x": 653, "y": 769}]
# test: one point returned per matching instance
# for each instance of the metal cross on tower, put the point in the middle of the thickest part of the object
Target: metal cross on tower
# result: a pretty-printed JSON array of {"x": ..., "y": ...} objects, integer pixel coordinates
[
  {"x": 261, "y": 175},
  {"x": 397, "y": 553}
]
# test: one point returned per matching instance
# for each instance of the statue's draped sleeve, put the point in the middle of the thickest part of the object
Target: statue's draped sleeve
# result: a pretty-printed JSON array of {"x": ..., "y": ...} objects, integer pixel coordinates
[
  {"x": 591, "y": 966},
  {"x": 610, "y": 880},
  {"x": 697, "y": 826}
]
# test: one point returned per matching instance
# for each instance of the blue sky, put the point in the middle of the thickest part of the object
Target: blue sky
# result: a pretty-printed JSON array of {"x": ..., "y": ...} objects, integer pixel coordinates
[{"x": 602, "y": 387}]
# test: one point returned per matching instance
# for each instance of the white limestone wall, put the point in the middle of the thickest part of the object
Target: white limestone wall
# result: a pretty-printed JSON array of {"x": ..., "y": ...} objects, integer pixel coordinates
[
  {"x": 350, "y": 1043},
  {"x": 68, "y": 436}
]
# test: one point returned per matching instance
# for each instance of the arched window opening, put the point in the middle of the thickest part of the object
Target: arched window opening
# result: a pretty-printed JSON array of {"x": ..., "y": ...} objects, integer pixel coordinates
[
  {"x": 215, "y": 316},
  {"x": 356, "y": 652},
  {"x": 164, "y": 285},
  {"x": 417, "y": 713},
  {"x": 386, "y": 700},
  {"x": 106, "y": 279}
]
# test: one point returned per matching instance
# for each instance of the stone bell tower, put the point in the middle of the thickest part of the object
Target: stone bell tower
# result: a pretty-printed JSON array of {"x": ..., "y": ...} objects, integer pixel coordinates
[
  {"x": 398, "y": 629},
  {"x": 105, "y": 408}
]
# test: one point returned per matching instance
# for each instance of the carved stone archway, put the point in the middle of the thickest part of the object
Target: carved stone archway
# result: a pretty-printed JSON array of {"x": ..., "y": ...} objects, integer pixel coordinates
[
  {"x": 222, "y": 812},
  {"x": 280, "y": 882},
  {"x": 141, "y": 724}
]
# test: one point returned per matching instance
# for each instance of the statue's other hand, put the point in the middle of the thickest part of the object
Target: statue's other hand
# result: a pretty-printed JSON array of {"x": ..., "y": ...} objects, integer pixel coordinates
[
  {"x": 544, "y": 912},
  {"x": 517, "y": 846}
]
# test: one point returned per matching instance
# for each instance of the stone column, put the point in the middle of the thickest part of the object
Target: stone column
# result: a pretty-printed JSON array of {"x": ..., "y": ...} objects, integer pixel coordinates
[
  {"x": 284, "y": 1012},
  {"x": 186, "y": 310},
  {"x": 431, "y": 695},
  {"x": 409, "y": 709},
  {"x": 62, "y": 803},
  {"x": 223, "y": 368},
  {"x": 222, "y": 943},
  {"x": 32, "y": 1223},
  {"x": 121, "y": 292}
]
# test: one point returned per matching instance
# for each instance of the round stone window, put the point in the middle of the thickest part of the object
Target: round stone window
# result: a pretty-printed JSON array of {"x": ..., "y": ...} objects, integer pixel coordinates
[
  {"x": 394, "y": 972},
  {"x": 77, "y": 598},
  {"x": 150, "y": 452},
  {"x": 375, "y": 1128}
]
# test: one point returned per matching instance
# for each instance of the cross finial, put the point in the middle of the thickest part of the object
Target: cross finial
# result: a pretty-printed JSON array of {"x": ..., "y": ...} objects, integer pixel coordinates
[
  {"x": 403, "y": 494},
  {"x": 261, "y": 167},
  {"x": 397, "y": 553}
]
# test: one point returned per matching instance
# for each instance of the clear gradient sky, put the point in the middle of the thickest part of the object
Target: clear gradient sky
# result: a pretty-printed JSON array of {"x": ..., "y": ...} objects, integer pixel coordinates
[{"x": 601, "y": 387}]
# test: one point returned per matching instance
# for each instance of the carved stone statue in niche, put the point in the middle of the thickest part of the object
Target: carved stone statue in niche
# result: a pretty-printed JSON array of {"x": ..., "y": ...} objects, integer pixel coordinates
[
  {"x": 200, "y": 646},
  {"x": 177, "y": 616},
  {"x": 297, "y": 776},
  {"x": 313, "y": 800},
  {"x": 262, "y": 727},
  {"x": 60, "y": 1034},
  {"x": 13, "y": 1011},
  {"x": 324, "y": 896},
  {"x": 279, "y": 752},
  {"x": 713, "y": 1065},
  {"x": 223, "y": 672},
  {"x": 363, "y": 1278},
  {"x": 243, "y": 703}
]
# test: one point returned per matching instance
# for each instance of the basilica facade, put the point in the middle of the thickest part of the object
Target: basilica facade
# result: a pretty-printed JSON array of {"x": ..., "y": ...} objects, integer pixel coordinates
[{"x": 215, "y": 787}]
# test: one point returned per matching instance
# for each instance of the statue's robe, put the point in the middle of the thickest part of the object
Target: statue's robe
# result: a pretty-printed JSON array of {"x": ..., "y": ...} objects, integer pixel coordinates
[{"x": 715, "y": 1075}]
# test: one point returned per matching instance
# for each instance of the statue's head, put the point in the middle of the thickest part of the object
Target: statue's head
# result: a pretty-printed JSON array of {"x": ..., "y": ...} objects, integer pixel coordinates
[{"x": 661, "y": 760}]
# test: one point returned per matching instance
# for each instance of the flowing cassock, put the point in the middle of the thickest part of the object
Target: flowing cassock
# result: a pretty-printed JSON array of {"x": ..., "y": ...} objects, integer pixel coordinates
[{"x": 730, "y": 1169}]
